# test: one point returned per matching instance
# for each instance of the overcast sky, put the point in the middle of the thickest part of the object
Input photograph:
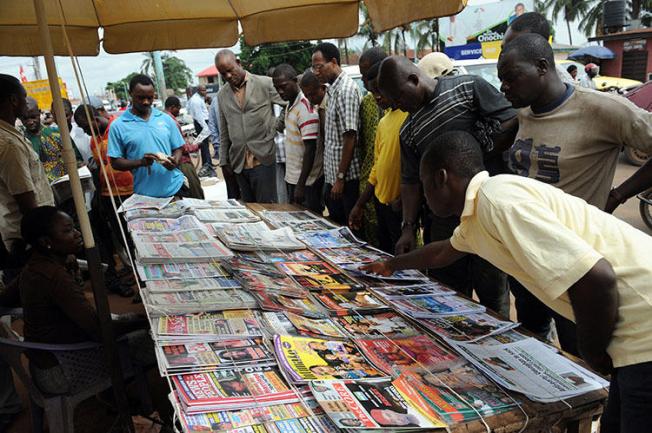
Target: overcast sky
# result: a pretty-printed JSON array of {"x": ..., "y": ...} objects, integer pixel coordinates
[{"x": 97, "y": 71}]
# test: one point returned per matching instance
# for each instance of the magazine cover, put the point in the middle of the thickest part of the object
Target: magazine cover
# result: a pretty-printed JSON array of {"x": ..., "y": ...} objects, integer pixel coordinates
[
  {"x": 232, "y": 389},
  {"x": 240, "y": 263},
  {"x": 200, "y": 284},
  {"x": 225, "y": 421},
  {"x": 323, "y": 328},
  {"x": 378, "y": 325},
  {"x": 222, "y": 354},
  {"x": 469, "y": 327},
  {"x": 304, "y": 359},
  {"x": 276, "y": 302},
  {"x": 181, "y": 271},
  {"x": 196, "y": 301},
  {"x": 409, "y": 274},
  {"x": 397, "y": 292},
  {"x": 279, "y": 256},
  {"x": 344, "y": 302},
  {"x": 281, "y": 285},
  {"x": 369, "y": 405},
  {"x": 413, "y": 353},
  {"x": 224, "y": 324},
  {"x": 353, "y": 255},
  {"x": 327, "y": 282},
  {"x": 306, "y": 268},
  {"x": 456, "y": 395},
  {"x": 424, "y": 307},
  {"x": 335, "y": 238}
]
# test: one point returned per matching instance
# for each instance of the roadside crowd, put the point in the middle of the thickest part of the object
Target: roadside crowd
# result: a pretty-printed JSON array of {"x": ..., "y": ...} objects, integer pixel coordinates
[{"x": 508, "y": 190}]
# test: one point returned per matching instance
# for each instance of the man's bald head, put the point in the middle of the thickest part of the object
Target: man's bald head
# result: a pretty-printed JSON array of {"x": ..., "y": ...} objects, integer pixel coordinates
[
  {"x": 229, "y": 67},
  {"x": 403, "y": 83}
]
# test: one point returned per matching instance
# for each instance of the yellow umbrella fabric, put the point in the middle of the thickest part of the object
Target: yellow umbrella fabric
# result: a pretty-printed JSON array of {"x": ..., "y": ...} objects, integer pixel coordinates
[{"x": 148, "y": 25}]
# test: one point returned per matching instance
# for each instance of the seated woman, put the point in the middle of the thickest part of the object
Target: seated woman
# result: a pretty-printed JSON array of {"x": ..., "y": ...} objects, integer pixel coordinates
[{"x": 54, "y": 307}]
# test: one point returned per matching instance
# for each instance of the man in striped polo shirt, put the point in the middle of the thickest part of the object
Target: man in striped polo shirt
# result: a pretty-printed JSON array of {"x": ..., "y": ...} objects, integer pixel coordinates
[{"x": 304, "y": 171}]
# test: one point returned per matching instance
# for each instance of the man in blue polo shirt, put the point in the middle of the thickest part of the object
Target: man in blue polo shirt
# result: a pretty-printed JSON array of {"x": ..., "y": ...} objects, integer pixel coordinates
[{"x": 148, "y": 143}]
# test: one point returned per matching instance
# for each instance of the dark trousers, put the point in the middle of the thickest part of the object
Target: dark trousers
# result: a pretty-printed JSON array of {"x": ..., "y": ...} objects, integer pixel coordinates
[
  {"x": 313, "y": 197},
  {"x": 470, "y": 272},
  {"x": 388, "y": 227},
  {"x": 535, "y": 316},
  {"x": 339, "y": 210},
  {"x": 258, "y": 184},
  {"x": 629, "y": 407},
  {"x": 204, "y": 150},
  {"x": 232, "y": 188}
]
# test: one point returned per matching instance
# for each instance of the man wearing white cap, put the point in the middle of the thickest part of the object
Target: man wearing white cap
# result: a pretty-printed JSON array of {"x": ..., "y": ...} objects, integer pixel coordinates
[{"x": 436, "y": 65}]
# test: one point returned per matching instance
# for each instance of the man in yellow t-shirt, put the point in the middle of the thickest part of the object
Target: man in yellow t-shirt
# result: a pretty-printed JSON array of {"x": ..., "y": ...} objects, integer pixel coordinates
[
  {"x": 585, "y": 264},
  {"x": 384, "y": 183}
]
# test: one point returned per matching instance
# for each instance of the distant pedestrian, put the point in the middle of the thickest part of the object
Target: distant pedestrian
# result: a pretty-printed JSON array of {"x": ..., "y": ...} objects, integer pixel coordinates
[
  {"x": 341, "y": 152},
  {"x": 247, "y": 129},
  {"x": 198, "y": 110}
]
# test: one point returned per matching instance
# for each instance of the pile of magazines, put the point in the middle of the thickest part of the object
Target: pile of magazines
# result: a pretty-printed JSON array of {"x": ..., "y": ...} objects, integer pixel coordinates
[{"x": 264, "y": 323}]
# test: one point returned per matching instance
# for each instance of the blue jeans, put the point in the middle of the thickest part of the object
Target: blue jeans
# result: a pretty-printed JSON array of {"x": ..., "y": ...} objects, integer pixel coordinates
[
  {"x": 258, "y": 184},
  {"x": 629, "y": 407}
]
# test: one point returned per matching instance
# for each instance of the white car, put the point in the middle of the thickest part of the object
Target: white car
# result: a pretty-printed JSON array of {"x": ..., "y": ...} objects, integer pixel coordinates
[{"x": 485, "y": 68}]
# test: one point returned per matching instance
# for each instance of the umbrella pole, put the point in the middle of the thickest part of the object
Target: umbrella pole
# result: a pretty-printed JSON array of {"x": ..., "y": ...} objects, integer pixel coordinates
[{"x": 92, "y": 252}]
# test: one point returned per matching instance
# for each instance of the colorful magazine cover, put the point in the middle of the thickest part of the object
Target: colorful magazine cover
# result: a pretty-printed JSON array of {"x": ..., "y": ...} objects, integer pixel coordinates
[
  {"x": 306, "y": 268},
  {"x": 353, "y": 255},
  {"x": 304, "y": 359},
  {"x": 276, "y": 302},
  {"x": 222, "y": 325},
  {"x": 425, "y": 307},
  {"x": 279, "y": 256},
  {"x": 370, "y": 405},
  {"x": 405, "y": 275},
  {"x": 394, "y": 292},
  {"x": 239, "y": 263},
  {"x": 380, "y": 325},
  {"x": 335, "y": 238},
  {"x": 345, "y": 302},
  {"x": 223, "y": 354},
  {"x": 468, "y": 327},
  {"x": 232, "y": 389},
  {"x": 413, "y": 353},
  {"x": 225, "y": 421},
  {"x": 279, "y": 285},
  {"x": 327, "y": 282},
  {"x": 323, "y": 328},
  {"x": 456, "y": 395}
]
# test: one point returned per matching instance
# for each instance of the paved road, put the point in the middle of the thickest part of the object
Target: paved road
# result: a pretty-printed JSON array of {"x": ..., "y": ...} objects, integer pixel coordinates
[{"x": 629, "y": 211}]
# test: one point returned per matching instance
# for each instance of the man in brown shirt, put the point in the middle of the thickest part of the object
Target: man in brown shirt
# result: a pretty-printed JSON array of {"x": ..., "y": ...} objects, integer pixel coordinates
[{"x": 247, "y": 129}]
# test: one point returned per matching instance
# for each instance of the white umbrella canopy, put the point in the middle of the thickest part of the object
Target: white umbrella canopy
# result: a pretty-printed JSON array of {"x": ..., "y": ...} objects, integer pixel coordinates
[{"x": 149, "y": 25}]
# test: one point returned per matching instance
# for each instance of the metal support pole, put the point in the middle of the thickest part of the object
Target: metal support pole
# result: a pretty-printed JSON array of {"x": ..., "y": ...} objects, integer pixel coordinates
[
  {"x": 92, "y": 253},
  {"x": 160, "y": 75}
]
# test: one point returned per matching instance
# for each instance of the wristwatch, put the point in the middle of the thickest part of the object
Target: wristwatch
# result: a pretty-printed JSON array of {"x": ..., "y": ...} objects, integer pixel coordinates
[{"x": 340, "y": 176}]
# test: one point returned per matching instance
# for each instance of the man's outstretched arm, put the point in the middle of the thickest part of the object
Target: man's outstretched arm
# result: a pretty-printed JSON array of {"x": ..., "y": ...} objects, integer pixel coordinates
[{"x": 434, "y": 255}]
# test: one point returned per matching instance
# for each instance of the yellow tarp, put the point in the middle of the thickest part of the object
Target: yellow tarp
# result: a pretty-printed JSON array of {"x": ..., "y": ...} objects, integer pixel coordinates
[{"x": 148, "y": 25}]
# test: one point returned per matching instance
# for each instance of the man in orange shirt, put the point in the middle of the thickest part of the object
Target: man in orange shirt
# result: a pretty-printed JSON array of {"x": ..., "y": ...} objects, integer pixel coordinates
[{"x": 120, "y": 186}]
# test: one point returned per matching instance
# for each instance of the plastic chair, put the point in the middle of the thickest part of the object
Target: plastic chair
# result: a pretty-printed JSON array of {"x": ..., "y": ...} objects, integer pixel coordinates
[{"x": 83, "y": 366}]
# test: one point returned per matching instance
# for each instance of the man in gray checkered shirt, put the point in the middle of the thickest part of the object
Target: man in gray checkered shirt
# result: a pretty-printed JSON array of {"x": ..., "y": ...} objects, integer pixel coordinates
[{"x": 341, "y": 160}]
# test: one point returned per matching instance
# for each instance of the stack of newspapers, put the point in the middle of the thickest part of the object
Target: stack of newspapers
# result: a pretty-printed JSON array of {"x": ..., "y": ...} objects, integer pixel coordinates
[{"x": 264, "y": 323}]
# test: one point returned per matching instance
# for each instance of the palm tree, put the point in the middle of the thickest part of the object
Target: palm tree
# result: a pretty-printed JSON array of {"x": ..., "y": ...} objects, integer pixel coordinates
[
  {"x": 148, "y": 64},
  {"x": 426, "y": 34},
  {"x": 390, "y": 41},
  {"x": 571, "y": 10},
  {"x": 366, "y": 29}
]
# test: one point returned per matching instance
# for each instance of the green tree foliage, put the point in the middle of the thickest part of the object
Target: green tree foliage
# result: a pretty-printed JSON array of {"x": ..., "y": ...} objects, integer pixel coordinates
[
  {"x": 121, "y": 87},
  {"x": 569, "y": 10},
  {"x": 177, "y": 75},
  {"x": 258, "y": 59}
]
